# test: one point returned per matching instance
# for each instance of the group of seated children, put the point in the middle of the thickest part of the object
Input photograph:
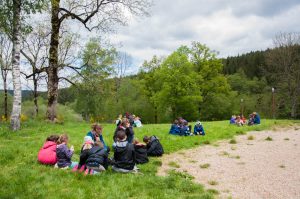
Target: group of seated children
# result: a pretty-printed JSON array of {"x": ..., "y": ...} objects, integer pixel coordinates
[
  {"x": 254, "y": 119},
  {"x": 180, "y": 127},
  {"x": 94, "y": 155},
  {"x": 238, "y": 120},
  {"x": 134, "y": 121}
]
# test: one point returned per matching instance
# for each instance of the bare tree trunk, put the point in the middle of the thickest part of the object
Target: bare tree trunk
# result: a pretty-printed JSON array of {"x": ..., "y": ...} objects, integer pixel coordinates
[
  {"x": 5, "y": 98},
  {"x": 16, "y": 110},
  {"x": 53, "y": 62},
  {"x": 35, "y": 96}
]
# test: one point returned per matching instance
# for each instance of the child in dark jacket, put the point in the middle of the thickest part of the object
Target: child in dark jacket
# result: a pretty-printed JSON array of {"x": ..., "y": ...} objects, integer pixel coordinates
[
  {"x": 175, "y": 128},
  {"x": 198, "y": 129},
  {"x": 97, "y": 158},
  {"x": 154, "y": 147},
  {"x": 124, "y": 154},
  {"x": 63, "y": 153},
  {"x": 125, "y": 126},
  {"x": 47, "y": 154},
  {"x": 87, "y": 145}
]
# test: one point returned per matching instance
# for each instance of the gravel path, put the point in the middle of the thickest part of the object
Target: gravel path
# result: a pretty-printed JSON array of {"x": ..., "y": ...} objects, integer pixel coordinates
[{"x": 255, "y": 168}]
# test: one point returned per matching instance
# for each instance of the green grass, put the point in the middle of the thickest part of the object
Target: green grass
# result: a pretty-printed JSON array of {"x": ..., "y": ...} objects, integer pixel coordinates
[{"x": 22, "y": 177}]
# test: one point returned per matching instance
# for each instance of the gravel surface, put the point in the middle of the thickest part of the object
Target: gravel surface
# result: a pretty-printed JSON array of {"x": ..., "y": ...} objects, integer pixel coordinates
[{"x": 257, "y": 168}]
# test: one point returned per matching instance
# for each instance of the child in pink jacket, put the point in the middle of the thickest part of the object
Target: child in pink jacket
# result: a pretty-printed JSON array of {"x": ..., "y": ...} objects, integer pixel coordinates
[{"x": 47, "y": 154}]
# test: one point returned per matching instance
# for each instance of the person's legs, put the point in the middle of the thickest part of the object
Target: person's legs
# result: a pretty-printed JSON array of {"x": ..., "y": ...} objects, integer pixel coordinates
[{"x": 73, "y": 164}]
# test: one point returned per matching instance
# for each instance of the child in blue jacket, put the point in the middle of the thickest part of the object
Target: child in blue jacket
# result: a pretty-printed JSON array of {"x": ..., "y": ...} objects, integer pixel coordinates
[
  {"x": 198, "y": 129},
  {"x": 175, "y": 128}
]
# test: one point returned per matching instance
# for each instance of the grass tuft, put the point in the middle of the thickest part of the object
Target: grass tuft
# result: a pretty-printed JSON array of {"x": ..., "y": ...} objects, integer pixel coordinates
[
  {"x": 174, "y": 164},
  {"x": 212, "y": 182},
  {"x": 286, "y": 138},
  {"x": 251, "y": 137},
  {"x": 269, "y": 139},
  {"x": 213, "y": 191},
  {"x": 240, "y": 132},
  {"x": 206, "y": 142},
  {"x": 232, "y": 141},
  {"x": 282, "y": 166},
  {"x": 224, "y": 153},
  {"x": 204, "y": 166}
]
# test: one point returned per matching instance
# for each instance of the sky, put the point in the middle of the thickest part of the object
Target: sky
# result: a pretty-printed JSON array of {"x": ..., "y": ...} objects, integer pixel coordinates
[{"x": 230, "y": 27}]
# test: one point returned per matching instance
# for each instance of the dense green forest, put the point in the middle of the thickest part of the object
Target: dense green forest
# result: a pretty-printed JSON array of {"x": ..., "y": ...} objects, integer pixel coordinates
[{"x": 190, "y": 82}]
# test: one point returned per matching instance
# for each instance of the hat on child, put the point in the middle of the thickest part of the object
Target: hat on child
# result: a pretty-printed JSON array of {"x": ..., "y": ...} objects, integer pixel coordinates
[
  {"x": 88, "y": 140},
  {"x": 198, "y": 123}
]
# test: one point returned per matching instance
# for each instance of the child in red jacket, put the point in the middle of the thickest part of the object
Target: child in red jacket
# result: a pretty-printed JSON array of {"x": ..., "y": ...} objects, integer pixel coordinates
[{"x": 47, "y": 154}]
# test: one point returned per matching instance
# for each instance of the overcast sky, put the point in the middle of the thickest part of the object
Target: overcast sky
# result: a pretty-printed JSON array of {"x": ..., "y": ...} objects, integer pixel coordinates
[{"x": 229, "y": 27}]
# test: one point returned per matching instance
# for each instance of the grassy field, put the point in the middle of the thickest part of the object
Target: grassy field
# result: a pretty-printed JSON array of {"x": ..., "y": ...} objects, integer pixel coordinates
[{"x": 21, "y": 176}]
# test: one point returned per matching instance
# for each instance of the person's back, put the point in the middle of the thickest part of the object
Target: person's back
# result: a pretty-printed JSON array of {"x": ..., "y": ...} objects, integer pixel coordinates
[
  {"x": 256, "y": 119},
  {"x": 175, "y": 129},
  {"x": 64, "y": 154},
  {"x": 154, "y": 147},
  {"x": 47, "y": 154},
  {"x": 124, "y": 154},
  {"x": 97, "y": 156}
]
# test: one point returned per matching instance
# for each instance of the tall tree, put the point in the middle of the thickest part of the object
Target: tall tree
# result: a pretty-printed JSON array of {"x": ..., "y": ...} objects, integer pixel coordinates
[
  {"x": 99, "y": 14},
  {"x": 5, "y": 65},
  {"x": 97, "y": 65},
  {"x": 283, "y": 68},
  {"x": 10, "y": 22},
  {"x": 147, "y": 80},
  {"x": 16, "y": 111}
]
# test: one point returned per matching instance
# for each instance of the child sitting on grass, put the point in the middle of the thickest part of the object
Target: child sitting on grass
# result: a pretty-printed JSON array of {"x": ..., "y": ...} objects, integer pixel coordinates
[
  {"x": 140, "y": 149},
  {"x": 198, "y": 129},
  {"x": 47, "y": 154},
  {"x": 63, "y": 153},
  {"x": 87, "y": 145},
  {"x": 175, "y": 128},
  {"x": 97, "y": 159},
  {"x": 124, "y": 154},
  {"x": 154, "y": 148}
]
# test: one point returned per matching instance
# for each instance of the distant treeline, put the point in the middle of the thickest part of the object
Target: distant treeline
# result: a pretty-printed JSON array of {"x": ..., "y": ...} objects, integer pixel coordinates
[{"x": 194, "y": 84}]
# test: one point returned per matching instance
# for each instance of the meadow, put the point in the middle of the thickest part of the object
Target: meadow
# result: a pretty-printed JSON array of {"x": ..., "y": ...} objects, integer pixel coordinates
[{"x": 21, "y": 176}]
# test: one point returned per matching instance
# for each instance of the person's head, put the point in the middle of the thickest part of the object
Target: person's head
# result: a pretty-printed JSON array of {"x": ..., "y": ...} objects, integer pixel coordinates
[
  {"x": 176, "y": 122},
  {"x": 125, "y": 122},
  {"x": 198, "y": 123},
  {"x": 146, "y": 139},
  {"x": 64, "y": 138},
  {"x": 120, "y": 116},
  {"x": 88, "y": 140},
  {"x": 100, "y": 144},
  {"x": 121, "y": 135},
  {"x": 97, "y": 128},
  {"x": 53, "y": 138}
]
